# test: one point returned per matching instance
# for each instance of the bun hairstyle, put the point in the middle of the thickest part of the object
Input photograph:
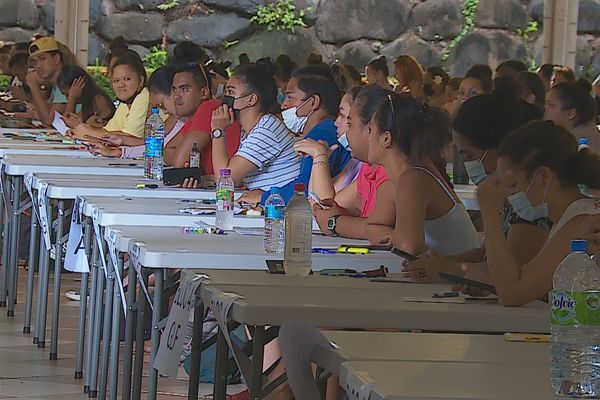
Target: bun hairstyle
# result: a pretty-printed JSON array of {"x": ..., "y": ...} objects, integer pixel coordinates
[
  {"x": 418, "y": 131},
  {"x": 542, "y": 143},
  {"x": 259, "y": 79},
  {"x": 409, "y": 68},
  {"x": 574, "y": 95},
  {"x": 187, "y": 52},
  {"x": 380, "y": 65}
]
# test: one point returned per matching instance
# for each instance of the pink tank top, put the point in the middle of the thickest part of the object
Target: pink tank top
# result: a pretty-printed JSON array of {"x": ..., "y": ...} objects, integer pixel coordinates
[{"x": 368, "y": 181}]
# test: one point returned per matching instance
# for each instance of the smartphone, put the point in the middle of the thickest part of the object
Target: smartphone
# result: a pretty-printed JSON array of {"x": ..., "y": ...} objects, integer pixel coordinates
[
  {"x": 176, "y": 176},
  {"x": 404, "y": 254},
  {"x": 275, "y": 266},
  {"x": 469, "y": 282}
]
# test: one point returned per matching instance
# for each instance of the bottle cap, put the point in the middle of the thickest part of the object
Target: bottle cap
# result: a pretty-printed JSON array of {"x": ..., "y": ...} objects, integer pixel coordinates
[
  {"x": 154, "y": 110},
  {"x": 225, "y": 172},
  {"x": 195, "y": 145},
  {"x": 299, "y": 187},
  {"x": 274, "y": 190},
  {"x": 579, "y": 246},
  {"x": 583, "y": 141}
]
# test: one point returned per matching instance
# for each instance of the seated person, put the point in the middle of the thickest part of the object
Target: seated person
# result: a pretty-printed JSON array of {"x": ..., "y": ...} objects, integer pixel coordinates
[
  {"x": 18, "y": 69},
  {"x": 407, "y": 137},
  {"x": 370, "y": 194},
  {"x": 128, "y": 82},
  {"x": 194, "y": 103},
  {"x": 540, "y": 168},
  {"x": 86, "y": 100},
  {"x": 312, "y": 101},
  {"x": 266, "y": 157}
]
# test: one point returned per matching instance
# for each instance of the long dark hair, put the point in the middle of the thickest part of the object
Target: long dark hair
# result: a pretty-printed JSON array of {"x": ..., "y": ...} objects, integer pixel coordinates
[
  {"x": 67, "y": 76},
  {"x": 573, "y": 95},
  {"x": 259, "y": 79}
]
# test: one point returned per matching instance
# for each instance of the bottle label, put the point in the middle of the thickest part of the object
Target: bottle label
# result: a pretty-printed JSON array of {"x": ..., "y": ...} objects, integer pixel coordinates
[
  {"x": 154, "y": 147},
  {"x": 298, "y": 235},
  {"x": 224, "y": 200},
  {"x": 575, "y": 308},
  {"x": 274, "y": 212}
]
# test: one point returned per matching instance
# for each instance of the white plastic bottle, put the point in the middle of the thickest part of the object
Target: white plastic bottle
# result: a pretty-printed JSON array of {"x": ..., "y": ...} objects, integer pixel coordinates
[
  {"x": 225, "y": 204},
  {"x": 297, "y": 260},
  {"x": 575, "y": 325},
  {"x": 274, "y": 233},
  {"x": 155, "y": 137}
]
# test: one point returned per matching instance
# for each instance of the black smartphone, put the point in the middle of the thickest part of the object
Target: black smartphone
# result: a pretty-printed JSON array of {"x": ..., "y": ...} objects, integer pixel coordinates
[
  {"x": 464, "y": 281},
  {"x": 176, "y": 176},
  {"x": 275, "y": 266},
  {"x": 404, "y": 254}
]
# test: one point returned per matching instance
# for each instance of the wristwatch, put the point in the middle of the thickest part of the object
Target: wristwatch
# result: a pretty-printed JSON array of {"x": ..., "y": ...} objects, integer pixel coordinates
[
  {"x": 217, "y": 134},
  {"x": 331, "y": 224}
]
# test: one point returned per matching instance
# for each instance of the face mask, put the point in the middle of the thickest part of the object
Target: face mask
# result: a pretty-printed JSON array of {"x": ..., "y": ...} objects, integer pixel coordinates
[
  {"x": 220, "y": 91},
  {"x": 523, "y": 207},
  {"x": 229, "y": 100},
  {"x": 291, "y": 119},
  {"x": 476, "y": 170},
  {"x": 428, "y": 89},
  {"x": 280, "y": 96},
  {"x": 343, "y": 140}
]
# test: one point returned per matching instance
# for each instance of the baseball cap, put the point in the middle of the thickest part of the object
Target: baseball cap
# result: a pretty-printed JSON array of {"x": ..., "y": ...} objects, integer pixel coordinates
[{"x": 42, "y": 45}]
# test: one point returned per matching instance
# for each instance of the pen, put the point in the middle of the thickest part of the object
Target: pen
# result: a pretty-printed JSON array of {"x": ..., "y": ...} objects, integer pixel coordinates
[
  {"x": 146, "y": 186},
  {"x": 122, "y": 165},
  {"x": 324, "y": 251},
  {"x": 330, "y": 272},
  {"x": 437, "y": 295}
]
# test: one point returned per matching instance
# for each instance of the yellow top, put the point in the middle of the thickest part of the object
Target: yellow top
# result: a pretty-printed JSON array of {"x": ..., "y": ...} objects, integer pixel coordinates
[{"x": 131, "y": 120}]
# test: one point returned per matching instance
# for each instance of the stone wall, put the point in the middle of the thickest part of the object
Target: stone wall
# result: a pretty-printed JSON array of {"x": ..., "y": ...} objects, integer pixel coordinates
[{"x": 352, "y": 31}]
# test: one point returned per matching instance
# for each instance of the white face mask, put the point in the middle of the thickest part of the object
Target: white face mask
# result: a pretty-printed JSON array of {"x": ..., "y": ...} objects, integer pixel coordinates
[
  {"x": 291, "y": 119},
  {"x": 343, "y": 140},
  {"x": 524, "y": 209},
  {"x": 476, "y": 170}
]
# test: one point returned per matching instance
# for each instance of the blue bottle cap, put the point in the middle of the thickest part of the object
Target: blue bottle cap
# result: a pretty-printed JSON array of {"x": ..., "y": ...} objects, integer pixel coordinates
[
  {"x": 579, "y": 246},
  {"x": 154, "y": 110},
  {"x": 274, "y": 190}
]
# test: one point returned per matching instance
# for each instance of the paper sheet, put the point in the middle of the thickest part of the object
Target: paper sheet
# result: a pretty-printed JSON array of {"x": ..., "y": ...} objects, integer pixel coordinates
[{"x": 59, "y": 124}]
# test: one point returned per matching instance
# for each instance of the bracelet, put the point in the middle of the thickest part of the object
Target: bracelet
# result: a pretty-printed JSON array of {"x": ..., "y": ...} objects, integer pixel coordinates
[
  {"x": 321, "y": 163},
  {"x": 320, "y": 155}
]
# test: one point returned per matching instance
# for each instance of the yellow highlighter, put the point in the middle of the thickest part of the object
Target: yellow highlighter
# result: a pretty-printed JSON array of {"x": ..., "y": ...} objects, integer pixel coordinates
[{"x": 353, "y": 250}]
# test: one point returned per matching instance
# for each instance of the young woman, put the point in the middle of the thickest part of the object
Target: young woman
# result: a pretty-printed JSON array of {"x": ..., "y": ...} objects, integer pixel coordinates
[
  {"x": 85, "y": 99},
  {"x": 478, "y": 128},
  {"x": 435, "y": 81},
  {"x": 128, "y": 81},
  {"x": 312, "y": 101},
  {"x": 533, "y": 90},
  {"x": 266, "y": 156},
  {"x": 126, "y": 146},
  {"x": 377, "y": 72},
  {"x": 572, "y": 106},
  {"x": 540, "y": 169},
  {"x": 406, "y": 138},
  {"x": 409, "y": 74},
  {"x": 370, "y": 195}
]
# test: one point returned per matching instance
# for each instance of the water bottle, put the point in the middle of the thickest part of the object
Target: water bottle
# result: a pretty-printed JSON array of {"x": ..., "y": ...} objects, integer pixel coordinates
[
  {"x": 575, "y": 325},
  {"x": 274, "y": 233},
  {"x": 225, "y": 202},
  {"x": 297, "y": 259},
  {"x": 195, "y": 156},
  {"x": 155, "y": 137}
]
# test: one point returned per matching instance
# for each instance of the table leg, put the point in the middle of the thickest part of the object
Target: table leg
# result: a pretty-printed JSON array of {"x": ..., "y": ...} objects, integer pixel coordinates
[
  {"x": 196, "y": 351},
  {"x": 159, "y": 276},
  {"x": 44, "y": 271},
  {"x": 97, "y": 326},
  {"x": 113, "y": 378},
  {"x": 107, "y": 321},
  {"x": 83, "y": 291},
  {"x": 138, "y": 366},
  {"x": 91, "y": 314},
  {"x": 57, "y": 273},
  {"x": 258, "y": 351},
  {"x": 5, "y": 254},
  {"x": 220, "y": 388},
  {"x": 31, "y": 263},
  {"x": 13, "y": 264},
  {"x": 129, "y": 333}
]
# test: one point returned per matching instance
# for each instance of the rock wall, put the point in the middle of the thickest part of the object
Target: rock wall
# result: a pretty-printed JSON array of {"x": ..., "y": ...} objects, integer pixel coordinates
[{"x": 351, "y": 31}]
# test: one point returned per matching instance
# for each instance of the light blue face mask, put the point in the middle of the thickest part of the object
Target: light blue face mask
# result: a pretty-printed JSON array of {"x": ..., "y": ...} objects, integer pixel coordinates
[
  {"x": 524, "y": 209},
  {"x": 476, "y": 170},
  {"x": 343, "y": 141},
  {"x": 280, "y": 96},
  {"x": 220, "y": 91}
]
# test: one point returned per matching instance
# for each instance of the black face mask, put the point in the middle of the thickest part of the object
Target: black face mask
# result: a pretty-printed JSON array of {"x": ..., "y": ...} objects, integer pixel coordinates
[
  {"x": 228, "y": 101},
  {"x": 428, "y": 89}
]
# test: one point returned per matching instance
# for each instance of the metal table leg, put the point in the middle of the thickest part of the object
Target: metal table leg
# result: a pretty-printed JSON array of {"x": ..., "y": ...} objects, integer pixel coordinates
[
  {"x": 159, "y": 277},
  {"x": 57, "y": 273},
  {"x": 113, "y": 378},
  {"x": 220, "y": 388},
  {"x": 138, "y": 366},
  {"x": 31, "y": 263},
  {"x": 196, "y": 351},
  {"x": 13, "y": 263},
  {"x": 82, "y": 306},
  {"x": 95, "y": 344},
  {"x": 44, "y": 274},
  {"x": 258, "y": 349},
  {"x": 107, "y": 322},
  {"x": 5, "y": 253},
  {"x": 129, "y": 333},
  {"x": 91, "y": 313}
]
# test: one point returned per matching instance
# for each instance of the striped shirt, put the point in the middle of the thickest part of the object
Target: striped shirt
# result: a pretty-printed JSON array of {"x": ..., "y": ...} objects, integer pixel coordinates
[{"x": 269, "y": 146}]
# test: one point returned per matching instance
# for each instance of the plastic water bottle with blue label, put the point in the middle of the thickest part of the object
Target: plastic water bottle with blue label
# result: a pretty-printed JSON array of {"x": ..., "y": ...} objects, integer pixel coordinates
[
  {"x": 575, "y": 325},
  {"x": 155, "y": 137},
  {"x": 274, "y": 233}
]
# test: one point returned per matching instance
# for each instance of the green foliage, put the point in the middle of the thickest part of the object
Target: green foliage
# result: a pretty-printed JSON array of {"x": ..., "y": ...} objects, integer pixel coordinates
[
  {"x": 100, "y": 76},
  {"x": 229, "y": 44},
  {"x": 168, "y": 5},
  {"x": 280, "y": 16},
  {"x": 526, "y": 34},
  {"x": 157, "y": 58},
  {"x": 4, "y": 82},
  {"x": 469, "y": 12}
]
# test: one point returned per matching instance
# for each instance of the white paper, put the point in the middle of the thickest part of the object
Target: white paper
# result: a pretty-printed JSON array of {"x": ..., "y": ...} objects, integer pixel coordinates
[
  {"x": 114, "y": 256},
  {"x": 76, "y": 260},
  {"x": 44, "y": 219},
  {"x": 59, "y": 124},
  {"x": 171, "y": 342}
]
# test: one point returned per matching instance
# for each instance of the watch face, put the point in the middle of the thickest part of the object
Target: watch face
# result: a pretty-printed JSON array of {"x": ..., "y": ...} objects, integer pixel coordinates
[
  {"x": 217, "y": 133},
  {"x": 331, "y": 223}
]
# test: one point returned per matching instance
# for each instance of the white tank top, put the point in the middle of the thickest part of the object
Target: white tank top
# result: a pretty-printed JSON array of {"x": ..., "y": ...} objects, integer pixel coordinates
[
  {"x": 453, "y": 232},
  {"x": 587, "y": 206}
]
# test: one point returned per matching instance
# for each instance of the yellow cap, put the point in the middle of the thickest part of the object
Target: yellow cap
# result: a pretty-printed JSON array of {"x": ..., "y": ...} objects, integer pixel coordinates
[{"x": 42, "y": 45}]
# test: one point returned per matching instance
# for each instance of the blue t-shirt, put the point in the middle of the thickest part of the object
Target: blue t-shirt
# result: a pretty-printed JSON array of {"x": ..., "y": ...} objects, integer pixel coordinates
[{"x": 326, "y": 131}]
